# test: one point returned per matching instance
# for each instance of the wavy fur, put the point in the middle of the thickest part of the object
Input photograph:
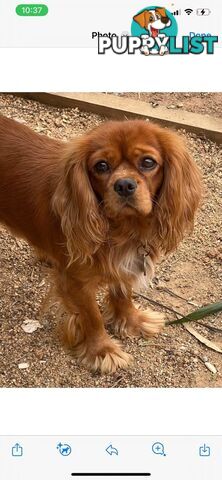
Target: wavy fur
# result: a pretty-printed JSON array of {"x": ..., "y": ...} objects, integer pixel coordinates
[{"x": 53, "y": 195}]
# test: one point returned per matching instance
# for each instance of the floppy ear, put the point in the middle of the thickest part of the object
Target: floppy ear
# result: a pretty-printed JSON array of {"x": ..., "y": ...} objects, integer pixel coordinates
[
  {"x": 164, "y": 17},
  {"x": 179, "y": 196},
  {"x": 75, "y": 202},
  {"x": 142, "y": 18},
  {"x": 161, "y": 11}
]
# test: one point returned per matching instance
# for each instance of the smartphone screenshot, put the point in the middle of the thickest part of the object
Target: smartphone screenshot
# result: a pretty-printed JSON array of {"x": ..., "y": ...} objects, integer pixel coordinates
[{"x": 110, "y": 240}]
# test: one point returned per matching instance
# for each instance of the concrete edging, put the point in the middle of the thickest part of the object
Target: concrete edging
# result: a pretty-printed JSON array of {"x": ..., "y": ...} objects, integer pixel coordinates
[{"x": 115, "y": 107}]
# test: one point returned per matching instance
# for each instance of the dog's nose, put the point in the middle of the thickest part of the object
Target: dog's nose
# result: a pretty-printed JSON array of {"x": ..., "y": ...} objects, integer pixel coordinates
[
  {"x": 165, "y": 20},
  {"x": 125, "y": 187}
]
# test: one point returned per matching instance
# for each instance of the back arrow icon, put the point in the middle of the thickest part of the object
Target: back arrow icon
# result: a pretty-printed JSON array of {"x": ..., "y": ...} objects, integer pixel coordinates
[{"x": 112, "y": 450}]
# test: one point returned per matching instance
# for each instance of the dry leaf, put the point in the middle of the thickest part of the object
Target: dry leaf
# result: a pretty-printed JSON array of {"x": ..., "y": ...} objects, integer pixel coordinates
[{"x": 202, "y": 339}]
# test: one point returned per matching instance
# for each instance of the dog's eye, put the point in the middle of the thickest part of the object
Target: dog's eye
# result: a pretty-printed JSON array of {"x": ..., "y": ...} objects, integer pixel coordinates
[
  {"x": 102, "y": 167},
  {"x": 147, "y": 164}
]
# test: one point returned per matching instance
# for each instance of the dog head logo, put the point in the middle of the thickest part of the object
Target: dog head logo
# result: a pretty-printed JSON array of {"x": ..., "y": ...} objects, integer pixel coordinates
[{"x": 157, "y": 23}]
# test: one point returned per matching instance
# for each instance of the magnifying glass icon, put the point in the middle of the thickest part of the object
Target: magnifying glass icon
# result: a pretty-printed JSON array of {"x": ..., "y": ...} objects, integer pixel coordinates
[{"x": 158, "y": 449}]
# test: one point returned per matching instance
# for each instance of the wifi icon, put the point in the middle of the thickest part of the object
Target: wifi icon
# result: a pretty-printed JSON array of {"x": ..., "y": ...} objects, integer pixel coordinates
[{"x": 188, "y": 11}]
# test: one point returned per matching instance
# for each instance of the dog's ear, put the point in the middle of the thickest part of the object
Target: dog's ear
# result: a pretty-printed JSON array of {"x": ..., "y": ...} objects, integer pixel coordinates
[
  {"x": 142, "y": 18},
  {"x": 161, "y": 11},
  {"x": 76, "y": 204},
  {"x": 179, "y": 195},
  {"x": 164, "y": 17}
]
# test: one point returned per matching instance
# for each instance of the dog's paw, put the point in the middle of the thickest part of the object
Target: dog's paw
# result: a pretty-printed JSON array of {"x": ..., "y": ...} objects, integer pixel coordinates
[
  {"x": 144, "y": 52},
  {"x": 102, "y": 354},
  {"x": 148, "y": 323},
  {"x": 137, "y": 323},
  {"x": 106, "y": 357}
]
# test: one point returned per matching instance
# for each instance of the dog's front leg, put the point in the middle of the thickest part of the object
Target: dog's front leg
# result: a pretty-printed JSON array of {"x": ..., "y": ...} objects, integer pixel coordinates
[
  {"x": 84, "y": 330},
  {"x": 126, "y": 319}
]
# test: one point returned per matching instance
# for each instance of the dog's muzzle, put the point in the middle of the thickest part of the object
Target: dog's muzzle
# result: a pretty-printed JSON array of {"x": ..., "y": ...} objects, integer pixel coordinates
[{"x": 125, "y": 187}]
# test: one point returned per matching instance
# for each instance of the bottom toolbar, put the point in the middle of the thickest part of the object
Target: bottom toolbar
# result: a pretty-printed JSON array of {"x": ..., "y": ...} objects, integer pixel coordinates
[{"x": 117, "y": 458}]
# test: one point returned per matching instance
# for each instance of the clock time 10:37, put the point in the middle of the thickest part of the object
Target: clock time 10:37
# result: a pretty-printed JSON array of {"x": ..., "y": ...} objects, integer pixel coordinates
[{"x": 31, "y": 10}]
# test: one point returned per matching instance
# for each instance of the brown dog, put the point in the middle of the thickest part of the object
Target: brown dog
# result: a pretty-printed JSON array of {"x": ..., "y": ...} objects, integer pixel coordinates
[{"x": 102, "y": 208}]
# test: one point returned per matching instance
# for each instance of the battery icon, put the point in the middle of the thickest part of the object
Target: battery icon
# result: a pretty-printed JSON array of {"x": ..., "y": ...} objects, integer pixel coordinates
[{"x": 203, "y": 12}]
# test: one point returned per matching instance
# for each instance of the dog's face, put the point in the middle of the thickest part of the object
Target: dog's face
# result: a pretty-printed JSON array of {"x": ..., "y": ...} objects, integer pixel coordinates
[
  {"x": 126, "y": 173},
  {"x": 153, "y": 20},
  {"x": 125, "y": 168}
]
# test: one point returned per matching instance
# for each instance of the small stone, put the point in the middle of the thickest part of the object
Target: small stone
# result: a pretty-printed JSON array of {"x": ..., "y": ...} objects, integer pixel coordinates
[
  {"x": 211, "y": 367},
  {"x": 30, "y": 326},
  {"x": 205, "y": 359},
  {"x": 22, "y": 366}
]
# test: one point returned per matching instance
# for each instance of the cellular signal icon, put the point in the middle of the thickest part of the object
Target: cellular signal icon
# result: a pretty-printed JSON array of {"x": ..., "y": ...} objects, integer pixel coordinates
[
  {"x": 188, "y": 11},
  {"x": 177, "y": 12}
]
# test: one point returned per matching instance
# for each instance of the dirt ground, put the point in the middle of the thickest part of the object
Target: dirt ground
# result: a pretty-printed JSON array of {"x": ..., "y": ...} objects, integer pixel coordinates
[
  {"x": 205, "y": 103},
  {"x": 174, "y": 358}
]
